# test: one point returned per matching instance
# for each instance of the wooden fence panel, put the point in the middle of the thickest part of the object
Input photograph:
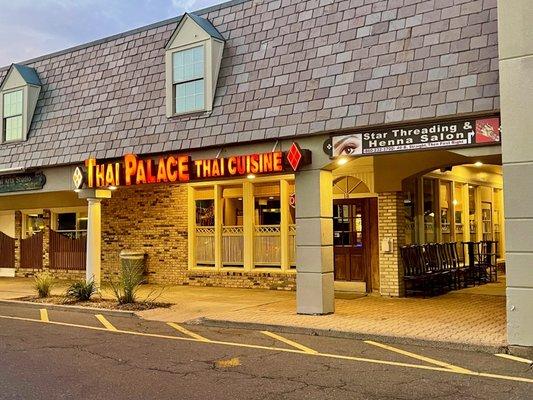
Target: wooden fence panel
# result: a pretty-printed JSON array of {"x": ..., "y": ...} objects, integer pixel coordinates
[
  {"x": 67, "y": 253},
  {"x": 31, "y": 252},
  {"x": 7, "y": 251}
]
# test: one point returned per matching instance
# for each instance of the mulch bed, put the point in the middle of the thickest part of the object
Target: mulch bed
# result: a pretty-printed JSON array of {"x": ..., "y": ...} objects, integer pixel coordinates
[{"x": 96, "y": 302}]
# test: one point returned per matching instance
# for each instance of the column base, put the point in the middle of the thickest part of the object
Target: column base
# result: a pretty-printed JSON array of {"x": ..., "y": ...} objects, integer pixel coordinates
[{"x": 315, "y": 293}]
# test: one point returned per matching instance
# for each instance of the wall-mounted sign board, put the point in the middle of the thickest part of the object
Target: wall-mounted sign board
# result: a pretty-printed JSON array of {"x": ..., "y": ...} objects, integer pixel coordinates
[
  {"x": 176, "y": 168},
  {"x": 427, "y": 136},
  {"x": 21, "y": 182}
]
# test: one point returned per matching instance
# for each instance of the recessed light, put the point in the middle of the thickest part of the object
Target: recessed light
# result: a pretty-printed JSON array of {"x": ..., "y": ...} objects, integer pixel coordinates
[
  {"x": 478, "y": 163},
  {"x": 112, "y": 188},
  {"x": 250, "y": 176}
]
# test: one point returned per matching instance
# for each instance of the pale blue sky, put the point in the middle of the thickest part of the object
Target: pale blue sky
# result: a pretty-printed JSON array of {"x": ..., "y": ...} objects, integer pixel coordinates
[{"x": 31, "y": 28}]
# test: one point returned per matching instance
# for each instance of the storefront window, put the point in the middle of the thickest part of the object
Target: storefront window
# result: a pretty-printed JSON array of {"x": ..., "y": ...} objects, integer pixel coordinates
[
  {"x": 486, "y": 219},
  {"x": 429, "y": 210},
  {"x": 445, "y": 211},
  {"x": 205, "y": 227},
  {"x": 458, "y": 207},
  {"x": 72, "y": 224},
  {"x": 34, "y": 224},
  {"x": 472, "y": 211},
  {"x": 410, "y": 211},
  {"x": 232, "y": 226},
  {"x": 267, "y": 220}
]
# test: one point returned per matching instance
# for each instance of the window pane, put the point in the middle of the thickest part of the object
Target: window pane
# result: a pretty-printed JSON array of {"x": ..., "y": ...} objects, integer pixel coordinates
[
  {"x": 189, "y": 96},
  {"x": 13, "y": 128},
  {"x": 188, "y": 64},
  {"x": 13, "y": 103}
]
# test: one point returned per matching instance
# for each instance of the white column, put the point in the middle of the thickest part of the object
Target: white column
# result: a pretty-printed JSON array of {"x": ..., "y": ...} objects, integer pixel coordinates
[
  {"x": 314, "y": 242},
  {"x": 94, "y": 234},
  {"x": 515, "y": 38}
]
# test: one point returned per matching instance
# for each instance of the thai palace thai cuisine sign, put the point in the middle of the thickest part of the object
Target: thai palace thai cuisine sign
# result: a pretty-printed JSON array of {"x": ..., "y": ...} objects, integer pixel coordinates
[{"x": 432, "y": 135}]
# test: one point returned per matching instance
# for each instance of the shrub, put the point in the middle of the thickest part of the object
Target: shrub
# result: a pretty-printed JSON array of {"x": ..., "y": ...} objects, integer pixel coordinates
[
  {"x": 43, "y": 284},
  {"x": 82, "y": 290},
  {"x": 129, "y": 279}
]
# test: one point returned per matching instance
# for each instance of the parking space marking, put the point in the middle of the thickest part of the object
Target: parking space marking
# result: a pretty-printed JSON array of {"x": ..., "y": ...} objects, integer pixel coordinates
[
  {"x": 418, "y": 356},
  {"x": 187, "y": 332},
  {"x": 44, "y": 315},
  {"x": 108, "y": 325},
  {"x": 514, "y": 358},
  {"x": 290, "y": 342},
  {"x": 285, "y": 350}
]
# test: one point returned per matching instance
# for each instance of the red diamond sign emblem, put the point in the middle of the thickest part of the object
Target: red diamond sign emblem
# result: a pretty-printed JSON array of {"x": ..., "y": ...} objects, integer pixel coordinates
[{"x": 294, "y": 155}]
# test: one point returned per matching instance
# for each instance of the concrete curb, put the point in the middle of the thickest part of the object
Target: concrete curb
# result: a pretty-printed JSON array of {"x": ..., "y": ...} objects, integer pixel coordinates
[
  {"x": 71, "y": 308},
  {"x": 349, "y": 335}
]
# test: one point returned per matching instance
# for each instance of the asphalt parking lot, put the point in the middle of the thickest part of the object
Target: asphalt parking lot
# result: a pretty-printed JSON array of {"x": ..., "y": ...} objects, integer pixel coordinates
[{"x": 52, "y": 353}]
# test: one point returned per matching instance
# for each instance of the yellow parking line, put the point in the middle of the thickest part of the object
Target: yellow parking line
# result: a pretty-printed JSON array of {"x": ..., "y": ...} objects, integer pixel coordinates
[
  {"x": 284, "y": 350},
  {"x": 418, "y": 357},
  {"x": 290, "y": 342},
  {"x": 514, "y": 358},
  {"x": 44, "y": 315},
  {"x": 187, "y": 332},
  {"x": 105, "y": 322}
]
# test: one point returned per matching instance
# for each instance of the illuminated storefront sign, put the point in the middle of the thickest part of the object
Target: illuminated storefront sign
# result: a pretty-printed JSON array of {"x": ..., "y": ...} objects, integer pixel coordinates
[
  {"x": 431, "y": 135},
  {"x": 134, "y": 170}
]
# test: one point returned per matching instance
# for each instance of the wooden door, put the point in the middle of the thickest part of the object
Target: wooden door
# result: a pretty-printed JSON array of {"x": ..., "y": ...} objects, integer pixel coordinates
[{"x": 355, "y": 239}]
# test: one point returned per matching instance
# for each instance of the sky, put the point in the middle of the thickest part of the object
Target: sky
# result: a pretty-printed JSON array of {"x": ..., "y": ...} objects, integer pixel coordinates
[{"x": 31, "y": 28}]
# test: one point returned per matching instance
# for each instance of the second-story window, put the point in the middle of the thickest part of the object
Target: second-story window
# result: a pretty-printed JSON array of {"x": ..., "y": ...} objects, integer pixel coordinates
[
  {"x": 12, "y": 116},
  {"x": 188, "y": 80}
]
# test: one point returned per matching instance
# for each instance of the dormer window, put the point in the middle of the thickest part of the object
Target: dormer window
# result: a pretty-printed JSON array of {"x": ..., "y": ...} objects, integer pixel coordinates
[
  {"x": 12, "y": 123},
  {"x": 189, "y": 82},
  {"x": 19, "y": 92},
  {"x": 193, "y": 58}
]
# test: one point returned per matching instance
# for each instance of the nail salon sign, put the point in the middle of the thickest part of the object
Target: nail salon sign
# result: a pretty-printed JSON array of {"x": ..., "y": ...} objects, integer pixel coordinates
[{"x": 436, "y": 135}]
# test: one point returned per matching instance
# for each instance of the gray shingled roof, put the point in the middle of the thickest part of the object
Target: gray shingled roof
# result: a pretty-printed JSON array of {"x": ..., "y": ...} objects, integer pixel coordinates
[{"x": 289, "y": 68}]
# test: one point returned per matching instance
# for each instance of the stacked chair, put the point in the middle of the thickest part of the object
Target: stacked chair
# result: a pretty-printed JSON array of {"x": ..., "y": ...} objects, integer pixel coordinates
[{"x": 435, "y": 268}]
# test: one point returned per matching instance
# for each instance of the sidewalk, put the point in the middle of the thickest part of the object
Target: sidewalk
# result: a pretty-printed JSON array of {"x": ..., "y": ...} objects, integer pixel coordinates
[{"x": 474, "y": 316}]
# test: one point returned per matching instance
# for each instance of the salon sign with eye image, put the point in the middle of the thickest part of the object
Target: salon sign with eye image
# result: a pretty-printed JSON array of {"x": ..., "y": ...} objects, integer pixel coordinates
[{"x": 427, "y": 136}]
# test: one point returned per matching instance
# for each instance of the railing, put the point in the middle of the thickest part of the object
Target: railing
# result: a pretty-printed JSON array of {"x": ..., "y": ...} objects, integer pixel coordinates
[
  {"x": 74, "y": 233},
  {"x": 31, "y": 252},
  {"x": 267, "y": 246},
  {"x": 205, "y": 245},
  {"x": 67, "y": 253},
  {"x": 232, "y": 246},
  {"x": 7, "y": 251}
]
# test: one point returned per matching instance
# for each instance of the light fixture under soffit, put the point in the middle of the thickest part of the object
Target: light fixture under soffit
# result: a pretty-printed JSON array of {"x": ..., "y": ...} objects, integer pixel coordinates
[
  {"x": 112, "y": 188},
  {"x": 478, "y": 163},
  {"x": 250, "y": 176},
  {"x": 342, "y": 161}
]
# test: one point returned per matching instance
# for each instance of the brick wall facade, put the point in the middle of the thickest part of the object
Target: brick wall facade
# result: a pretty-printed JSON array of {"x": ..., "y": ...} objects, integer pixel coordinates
[
  {"x": 391, "y": 225},
  {"x": 153, "y": 219}
]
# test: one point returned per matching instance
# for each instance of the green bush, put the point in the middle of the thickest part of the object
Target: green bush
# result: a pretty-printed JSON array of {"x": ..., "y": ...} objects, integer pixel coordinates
[
  {"x": 82, "y": 290},
  {"x": 129, "y": 279},
  {"x": 43, "y": 283}
]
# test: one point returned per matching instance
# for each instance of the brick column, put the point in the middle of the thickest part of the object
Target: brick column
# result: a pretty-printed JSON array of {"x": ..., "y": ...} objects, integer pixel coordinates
[
  {"x": 18, "y": 238},
  {"x": 46, "y": 239},
  {"x": 391, "y": 226}
]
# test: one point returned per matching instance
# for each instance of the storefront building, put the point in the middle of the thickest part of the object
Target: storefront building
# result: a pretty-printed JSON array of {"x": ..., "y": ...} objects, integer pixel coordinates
[{"x": 265, "y": 145}]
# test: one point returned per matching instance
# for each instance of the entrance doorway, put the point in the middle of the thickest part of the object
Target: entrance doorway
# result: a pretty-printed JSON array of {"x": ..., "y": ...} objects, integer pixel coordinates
[{"x": 355, "y": 240}]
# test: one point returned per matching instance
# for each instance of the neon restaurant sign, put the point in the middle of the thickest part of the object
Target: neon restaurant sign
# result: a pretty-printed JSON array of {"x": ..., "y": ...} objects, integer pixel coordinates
[{"x": 134, "y": 170}]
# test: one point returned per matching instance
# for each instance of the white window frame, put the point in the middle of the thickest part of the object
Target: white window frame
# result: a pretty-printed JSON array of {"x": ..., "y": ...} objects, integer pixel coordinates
[
  {"x": 4, "y": 118},
  {"x": 203, "y": 46}
]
